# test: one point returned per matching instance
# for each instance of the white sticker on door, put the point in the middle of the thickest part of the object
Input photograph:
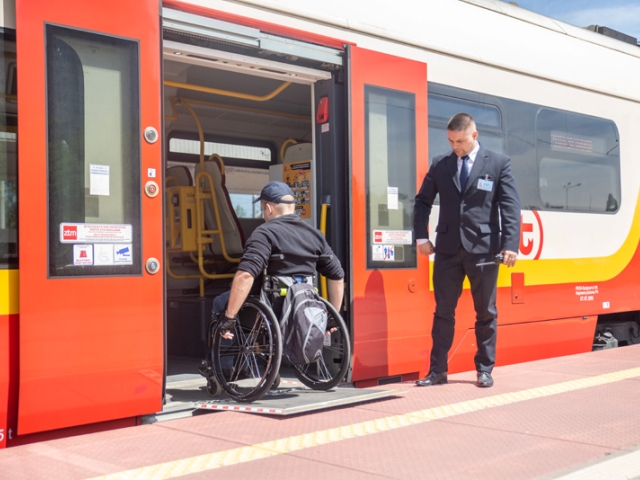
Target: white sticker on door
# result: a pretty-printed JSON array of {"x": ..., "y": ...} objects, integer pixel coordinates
[
  {"x": 99, "y": 180},
  {"x": 123, "y": 255},
  {"x": 83, "y": 254},
  {"x": 103, "y": 254}
]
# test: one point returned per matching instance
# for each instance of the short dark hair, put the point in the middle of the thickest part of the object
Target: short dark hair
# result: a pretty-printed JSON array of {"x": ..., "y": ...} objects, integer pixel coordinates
[{"x": 460, "y": 122}]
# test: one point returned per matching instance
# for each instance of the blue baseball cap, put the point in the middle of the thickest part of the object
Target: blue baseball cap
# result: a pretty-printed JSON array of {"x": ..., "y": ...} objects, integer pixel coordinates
[{"x": 274, "y": 191}]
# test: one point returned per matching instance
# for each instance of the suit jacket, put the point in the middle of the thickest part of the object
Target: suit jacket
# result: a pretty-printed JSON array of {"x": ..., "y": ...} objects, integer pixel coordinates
[{"x": 479, "y": 220}]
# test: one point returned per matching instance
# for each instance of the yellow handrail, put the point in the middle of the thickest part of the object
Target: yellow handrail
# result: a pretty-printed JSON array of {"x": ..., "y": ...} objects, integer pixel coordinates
[
  {"x": 203, "y": 236},
  {"x": 168, "y": 180},
  {"x": 192, "y": 101},
  {"x": 284, "y": 146},
  {"x": 323, "y": 229},
  {"x": 228, "y": 93}
]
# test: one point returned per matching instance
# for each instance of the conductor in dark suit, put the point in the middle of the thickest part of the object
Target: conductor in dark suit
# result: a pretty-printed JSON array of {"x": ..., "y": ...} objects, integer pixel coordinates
[{"x": 479, "y": 218}]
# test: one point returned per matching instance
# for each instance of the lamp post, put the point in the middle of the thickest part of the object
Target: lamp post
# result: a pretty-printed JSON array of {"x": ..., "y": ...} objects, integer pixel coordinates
[{"x": 566, "y": 192}]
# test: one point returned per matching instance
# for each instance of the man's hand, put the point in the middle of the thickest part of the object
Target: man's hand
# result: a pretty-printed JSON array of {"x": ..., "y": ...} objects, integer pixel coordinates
[
  {"x": 426, "y": 248},
  {"x": 226, "y": 325},
  {"x": 509, "y": 258}
]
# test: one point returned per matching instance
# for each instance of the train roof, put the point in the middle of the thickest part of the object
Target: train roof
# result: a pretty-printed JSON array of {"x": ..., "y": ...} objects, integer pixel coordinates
[{"x": 490, "y": 32}]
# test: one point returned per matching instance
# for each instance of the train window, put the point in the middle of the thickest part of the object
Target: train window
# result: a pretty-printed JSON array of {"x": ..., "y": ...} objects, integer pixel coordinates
[
  {"x": 442, "y": 108},
  {"x": 225, "y": 150},
  {"x": 487, "y": 117},
  {"x": 488, "y": 120},
  {"x": 579, "y": 162},
  {"x": 93, "y": 152},
  {"x": 390, "y": 163},
  {"x": 246, "y": 164},
  {"x": 244, "y": 185},
  {"x": 8, "y": 154}
]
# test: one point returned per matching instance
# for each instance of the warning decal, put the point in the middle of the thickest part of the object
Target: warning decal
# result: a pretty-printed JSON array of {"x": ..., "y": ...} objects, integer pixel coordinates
[
  {"x": 383, "y": 253},
  {"x": 83, "y": 254}
]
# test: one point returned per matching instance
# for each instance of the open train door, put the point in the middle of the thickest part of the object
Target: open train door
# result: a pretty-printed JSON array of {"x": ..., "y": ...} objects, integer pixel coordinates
[
  {"x": 91, "y": 314},
  {"x": 392, "y": 300}
]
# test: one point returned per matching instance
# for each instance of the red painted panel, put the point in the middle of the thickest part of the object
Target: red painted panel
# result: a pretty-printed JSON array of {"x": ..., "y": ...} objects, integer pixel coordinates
[
  {"x": 528, "y": 341},
  {"x": 5, "y": 375},
  {"x": 517, "y": 287},
  {"x": 72, "y": 431},
  {"x": 391, "y": 322},
  {"x": 91, "y": 349}
]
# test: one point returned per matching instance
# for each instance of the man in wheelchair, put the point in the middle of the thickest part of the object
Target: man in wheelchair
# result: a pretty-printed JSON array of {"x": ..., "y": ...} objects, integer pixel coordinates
[
  {"x": 303, "y": 248},
  {"x": 246, "y": 336}
]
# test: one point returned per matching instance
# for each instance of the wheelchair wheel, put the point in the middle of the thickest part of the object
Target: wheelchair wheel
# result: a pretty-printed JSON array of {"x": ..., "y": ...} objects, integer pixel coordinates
[
  {"x": 247, "y": 366},
  {"x": 327, "y": 372},
  {"x": 213, "y": 387},
  {"x": 276, "y": 382}
]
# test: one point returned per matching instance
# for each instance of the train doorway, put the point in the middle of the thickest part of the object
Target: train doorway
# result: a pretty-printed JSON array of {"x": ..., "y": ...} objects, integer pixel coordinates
[{"x": 236, "y": 117}]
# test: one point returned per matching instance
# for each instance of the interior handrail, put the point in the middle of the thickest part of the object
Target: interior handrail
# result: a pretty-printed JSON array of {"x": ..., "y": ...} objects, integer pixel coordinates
[
  {"x": 323, "y": 229},
  {"x": 285, "y": 144},
  {"x": 228, "y": 93},
  {"x": 174, "y": 116},
  {"x": 201, "y": 195}
]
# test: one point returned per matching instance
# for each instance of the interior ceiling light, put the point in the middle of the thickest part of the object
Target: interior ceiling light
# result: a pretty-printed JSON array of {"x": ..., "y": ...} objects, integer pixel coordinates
[{"x": 208, "y": 57}]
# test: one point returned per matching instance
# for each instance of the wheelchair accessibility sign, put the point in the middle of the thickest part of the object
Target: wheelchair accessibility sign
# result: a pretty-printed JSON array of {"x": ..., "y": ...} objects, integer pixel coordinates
[{"x": 383, "y": 253}]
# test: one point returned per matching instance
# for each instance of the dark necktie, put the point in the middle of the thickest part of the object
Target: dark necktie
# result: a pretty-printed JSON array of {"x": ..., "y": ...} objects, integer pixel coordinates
[{"x": 464, "y": 172}]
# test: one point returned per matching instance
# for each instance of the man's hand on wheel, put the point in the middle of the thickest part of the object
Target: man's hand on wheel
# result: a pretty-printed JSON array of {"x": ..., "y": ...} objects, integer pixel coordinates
[{"x": 226, "y": 325}]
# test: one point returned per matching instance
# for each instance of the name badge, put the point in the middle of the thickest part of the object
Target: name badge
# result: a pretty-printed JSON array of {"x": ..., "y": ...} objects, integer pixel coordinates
[{"x": 486, "y": 185}]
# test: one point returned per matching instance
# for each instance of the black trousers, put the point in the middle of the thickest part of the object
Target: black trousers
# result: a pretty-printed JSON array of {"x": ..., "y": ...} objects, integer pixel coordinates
[{"x": 449, "y": 272}]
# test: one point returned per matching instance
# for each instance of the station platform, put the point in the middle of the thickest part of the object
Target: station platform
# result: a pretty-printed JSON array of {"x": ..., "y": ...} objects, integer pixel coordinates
[{"x": 575, "y": 417}]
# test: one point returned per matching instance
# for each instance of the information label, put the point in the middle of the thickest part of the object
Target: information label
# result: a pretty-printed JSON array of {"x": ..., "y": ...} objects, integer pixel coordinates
[
  {"x": 298, "y": 176},
  {"x": 95, "y": 233},
  {"x": 99, "y": 180},
  {"x": 394, "y": 237},
  {"x": 392, "y": 198}
]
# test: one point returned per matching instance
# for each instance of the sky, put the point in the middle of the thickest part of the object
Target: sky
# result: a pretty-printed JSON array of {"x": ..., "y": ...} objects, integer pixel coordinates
[{"x": 621, "y": 15}]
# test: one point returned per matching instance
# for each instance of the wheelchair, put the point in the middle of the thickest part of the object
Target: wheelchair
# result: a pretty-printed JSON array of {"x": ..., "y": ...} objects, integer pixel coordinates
[{"x": 248, "y": 366}]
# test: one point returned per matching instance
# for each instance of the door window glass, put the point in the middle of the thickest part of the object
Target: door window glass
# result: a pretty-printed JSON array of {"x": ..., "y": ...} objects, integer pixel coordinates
[
  {"x": 8, "y": 153},
  {"x": 390, "y": 159},
  {"x": 93, "y": 158}
]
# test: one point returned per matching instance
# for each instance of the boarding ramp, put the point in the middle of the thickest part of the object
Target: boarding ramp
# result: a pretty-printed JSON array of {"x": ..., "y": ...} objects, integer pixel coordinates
[{"x": 186, "y": 396}]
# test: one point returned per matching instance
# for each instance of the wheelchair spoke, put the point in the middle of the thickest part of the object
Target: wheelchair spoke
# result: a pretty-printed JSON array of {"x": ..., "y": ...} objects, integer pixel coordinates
[
  {"x": 332, "y": 368},
  {"x": 247, "y": 368},
  {"x": 320, "y": 369}
]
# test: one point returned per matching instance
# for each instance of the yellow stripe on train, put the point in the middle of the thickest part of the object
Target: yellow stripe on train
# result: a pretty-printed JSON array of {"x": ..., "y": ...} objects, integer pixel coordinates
[
  {"x": 9, "y": 293},
  {"x": 571, "y": 270}
]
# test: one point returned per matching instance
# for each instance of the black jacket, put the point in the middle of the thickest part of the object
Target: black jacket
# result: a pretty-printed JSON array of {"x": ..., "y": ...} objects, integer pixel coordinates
[
  {"x": 301, "y": 245},
  {"x": 479, "y": 220}
]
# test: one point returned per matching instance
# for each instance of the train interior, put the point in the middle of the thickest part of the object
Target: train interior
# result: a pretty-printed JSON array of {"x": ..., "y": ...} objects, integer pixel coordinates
[{"x": 232, "y": 124}]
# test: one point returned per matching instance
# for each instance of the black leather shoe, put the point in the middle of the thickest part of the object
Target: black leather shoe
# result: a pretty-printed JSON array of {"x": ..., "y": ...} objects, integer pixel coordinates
[
  {"x": 434, "y": 378},
  {"x": 484, "y": 380}
]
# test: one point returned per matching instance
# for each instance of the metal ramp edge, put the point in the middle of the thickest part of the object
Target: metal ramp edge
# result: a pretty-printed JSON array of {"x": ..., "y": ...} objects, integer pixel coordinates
[{"x": 291, "y": 401}]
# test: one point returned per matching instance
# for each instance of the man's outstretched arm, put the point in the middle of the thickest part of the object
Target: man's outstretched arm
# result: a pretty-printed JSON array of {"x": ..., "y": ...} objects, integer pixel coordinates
[
  {"x": 240, "y": 289},
  {"x": 335, "y": 289}
]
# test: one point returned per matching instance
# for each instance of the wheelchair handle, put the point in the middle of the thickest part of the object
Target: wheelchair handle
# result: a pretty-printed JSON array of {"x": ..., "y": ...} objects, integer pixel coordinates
[{"x": 280, "y": 256}]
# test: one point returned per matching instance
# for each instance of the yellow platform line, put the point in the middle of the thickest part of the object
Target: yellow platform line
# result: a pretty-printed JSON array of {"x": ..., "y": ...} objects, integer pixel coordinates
[{"x": 235, "y": 456}]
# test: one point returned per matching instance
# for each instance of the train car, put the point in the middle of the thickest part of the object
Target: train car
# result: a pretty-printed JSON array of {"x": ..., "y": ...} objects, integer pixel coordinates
[{"x": 137, "y": 134}]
